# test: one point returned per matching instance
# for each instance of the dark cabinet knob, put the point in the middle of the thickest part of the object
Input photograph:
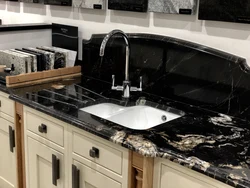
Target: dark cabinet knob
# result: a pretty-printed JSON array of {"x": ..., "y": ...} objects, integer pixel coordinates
[
  {"x": 42, "y": 128},
  {"x": 94, "y": 152}
]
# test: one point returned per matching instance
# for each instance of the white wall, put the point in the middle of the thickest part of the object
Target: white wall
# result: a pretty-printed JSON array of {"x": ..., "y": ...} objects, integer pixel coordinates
[
  {"x": 20, "y": 39},
  {"x": 229, "y": 37}
]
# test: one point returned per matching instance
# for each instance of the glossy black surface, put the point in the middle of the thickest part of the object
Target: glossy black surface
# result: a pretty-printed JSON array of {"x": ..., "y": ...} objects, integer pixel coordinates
[
  {"x": 65, "y": 36},
  {"x": 222, "y": 10},
  {"x": 129, "y": 5},
  {"x": 58, "y": 2},
  {"x": 214, "y": 144},
  {"x": 23, "y": 27},
  {"x": 179, "y": 70}
]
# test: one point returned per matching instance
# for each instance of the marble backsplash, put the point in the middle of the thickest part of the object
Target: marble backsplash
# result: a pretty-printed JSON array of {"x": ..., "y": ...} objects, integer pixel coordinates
[{"x": 175, "y": 69}]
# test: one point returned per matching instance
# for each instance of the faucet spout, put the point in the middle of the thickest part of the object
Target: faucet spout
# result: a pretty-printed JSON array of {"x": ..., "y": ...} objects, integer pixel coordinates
[
  {"x": 125, "y": 37},
  {"x": 126, "y": 88}
]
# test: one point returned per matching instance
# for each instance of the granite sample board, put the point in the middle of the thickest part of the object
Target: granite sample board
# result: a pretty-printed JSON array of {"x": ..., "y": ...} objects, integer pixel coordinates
[
  {"x": 173, "y": 6},
  {"x": 8, "y": 58},
  {"x": 32, "y": 60},
  {"x": 70, "y": 55},
  {"x": 90, "y": 4},
  {"x": 28, "y": 59},
  {"x": 60, "y": 57},
  {"x": 49, "y": 58},
  {"x": 128, "y": 5},
  {"x": 221, "y": 10}
]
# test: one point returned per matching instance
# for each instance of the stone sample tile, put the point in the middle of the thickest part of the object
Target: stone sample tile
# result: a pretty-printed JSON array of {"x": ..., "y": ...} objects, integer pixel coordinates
[
  {"x": 49, "y": 58},
  {"x": 173, "y": 6},
  {"x": 33, "y": 62},
  {"x": 90, "y": 4},
  {"x": 8, "y": 58}
]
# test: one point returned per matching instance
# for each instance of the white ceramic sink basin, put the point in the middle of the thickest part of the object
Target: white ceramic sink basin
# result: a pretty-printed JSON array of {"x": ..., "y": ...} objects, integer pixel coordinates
[{"x": 135, "y": 117}]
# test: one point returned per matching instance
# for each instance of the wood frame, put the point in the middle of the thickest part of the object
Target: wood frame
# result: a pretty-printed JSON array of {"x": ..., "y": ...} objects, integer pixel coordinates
[
  {"x": 20, "y": 155},
  {"x": 140, "y": 171},
  {"x": 43, "y": 77}
]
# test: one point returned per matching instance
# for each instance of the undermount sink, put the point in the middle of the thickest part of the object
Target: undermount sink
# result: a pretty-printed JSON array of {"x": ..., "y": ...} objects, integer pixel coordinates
[{"x": 135, "y": 117}]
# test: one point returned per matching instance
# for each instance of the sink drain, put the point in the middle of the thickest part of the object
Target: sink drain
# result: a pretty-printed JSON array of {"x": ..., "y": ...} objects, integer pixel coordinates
[{"x": 164, "y": 118}]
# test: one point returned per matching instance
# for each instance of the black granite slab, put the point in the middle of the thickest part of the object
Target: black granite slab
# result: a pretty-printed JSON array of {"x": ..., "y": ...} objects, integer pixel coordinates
[
  {"x": 176, "y": 69},
  {"x": 213, "y": 144},
  {"x": 128, "y": 5},
  {"x": 221, "y": 10},
  {"x": 23, "y": 27}
]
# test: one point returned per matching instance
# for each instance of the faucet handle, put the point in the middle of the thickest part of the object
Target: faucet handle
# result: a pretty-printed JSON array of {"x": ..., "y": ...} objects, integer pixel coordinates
[
  {"x": 140, "y": 89},
  {"x": 113, "y": 80},
  {"x": 136, "y": 88},
  {"x": 117, "y": 88}
]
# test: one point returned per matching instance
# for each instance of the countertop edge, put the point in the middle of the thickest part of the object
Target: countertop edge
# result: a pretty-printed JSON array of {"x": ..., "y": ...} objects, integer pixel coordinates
[{"x": 25, "y": 27}]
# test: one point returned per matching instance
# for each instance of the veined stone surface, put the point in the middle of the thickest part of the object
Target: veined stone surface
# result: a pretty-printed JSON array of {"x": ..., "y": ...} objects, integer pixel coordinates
[{"x": 171, "y": 6}]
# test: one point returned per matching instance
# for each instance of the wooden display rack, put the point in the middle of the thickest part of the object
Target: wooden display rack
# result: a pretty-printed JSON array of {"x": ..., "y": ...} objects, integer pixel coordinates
[{"x": 43, "y": 77}]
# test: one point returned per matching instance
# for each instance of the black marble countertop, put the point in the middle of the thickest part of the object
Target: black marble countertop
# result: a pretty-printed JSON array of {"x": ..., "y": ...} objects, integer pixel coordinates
[
  {"x": 213, "y": 144},
  {"x": 22, "y": 27}
]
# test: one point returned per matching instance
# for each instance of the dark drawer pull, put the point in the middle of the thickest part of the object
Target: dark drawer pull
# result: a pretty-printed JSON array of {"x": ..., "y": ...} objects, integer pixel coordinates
[
  {"x": 11, "y": 139},
  {"x": 55, "y": 169},
  {"x": 42, "y": 128},
  {"x": 75, "y": 177},
  {"x": 94, "y": 152}
]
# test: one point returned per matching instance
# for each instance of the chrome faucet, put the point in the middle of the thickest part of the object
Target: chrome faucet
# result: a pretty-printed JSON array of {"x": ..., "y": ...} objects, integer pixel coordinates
[{"x": 126, "y": 88}]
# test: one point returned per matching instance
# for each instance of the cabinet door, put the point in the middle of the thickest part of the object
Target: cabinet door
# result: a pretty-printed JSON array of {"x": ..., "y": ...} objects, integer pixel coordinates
[
  {"x": 45, "y": 166},
  {"x": 86, "y": 177},
  {"x": 7, "y": 157},
  {"x": 170, "y": 175},
  {"x": 171, "y": 178}
]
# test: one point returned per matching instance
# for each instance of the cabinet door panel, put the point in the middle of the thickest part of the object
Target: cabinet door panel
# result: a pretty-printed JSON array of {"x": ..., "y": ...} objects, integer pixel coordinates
[
  {"x": 90, "y": 178},
  {"x": 171, "y": 178},
  {"x": 40, "y": 165},
  {"x": 7, "y": 158}
]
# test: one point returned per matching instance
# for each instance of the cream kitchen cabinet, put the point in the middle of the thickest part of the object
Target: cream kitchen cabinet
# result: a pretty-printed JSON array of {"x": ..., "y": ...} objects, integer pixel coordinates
[
  {"x": 170, "y": 175},
  {"x": 8, "y": 168},
  {"x": 96, "y": 163},
  {"x": 7, "y": 155},
  {"x": 45, "y": 151},
  {"x": 63, "y": 156}
]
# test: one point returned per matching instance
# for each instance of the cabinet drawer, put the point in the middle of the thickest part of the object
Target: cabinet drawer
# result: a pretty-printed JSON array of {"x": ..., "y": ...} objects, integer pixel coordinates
[
  {"x": 109, "y": 157},
  {"x": 45, "y": 128}
]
